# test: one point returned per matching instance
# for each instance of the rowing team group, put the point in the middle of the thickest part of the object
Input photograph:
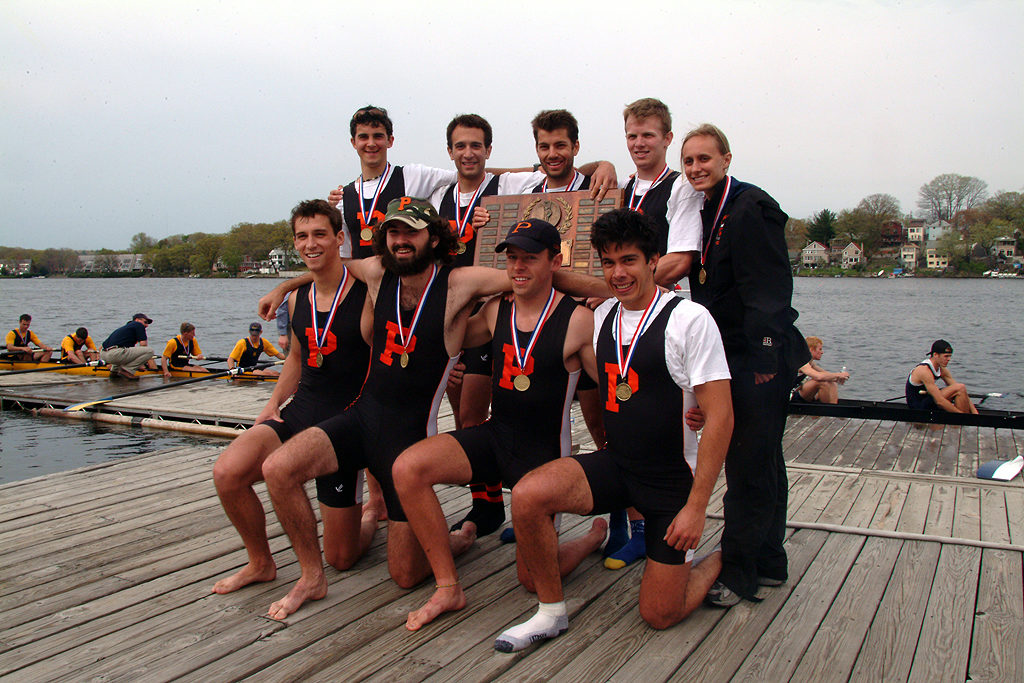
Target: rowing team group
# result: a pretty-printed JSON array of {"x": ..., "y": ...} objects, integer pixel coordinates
[{"x": 125, "y": 351}]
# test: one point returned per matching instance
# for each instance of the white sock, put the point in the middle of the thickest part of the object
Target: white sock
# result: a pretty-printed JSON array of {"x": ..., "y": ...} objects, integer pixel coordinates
[{"x": 551, "y": 619}]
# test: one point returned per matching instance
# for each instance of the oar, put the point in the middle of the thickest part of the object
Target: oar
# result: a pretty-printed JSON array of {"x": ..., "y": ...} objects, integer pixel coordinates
[
  {"x": 1001, "y": 470},
  {"x": 108, "y": 399},
  {"x": 51, "y": 368}
]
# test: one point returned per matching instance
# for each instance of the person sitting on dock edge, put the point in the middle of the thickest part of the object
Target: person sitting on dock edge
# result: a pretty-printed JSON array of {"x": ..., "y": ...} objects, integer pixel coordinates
[
  {"x": 78, "y": 348},
  {"x": 18, "y": 342},
  {"x": 924, "y": 394},
  {"x": 814, "y": 383},
  {"x": 126, "y": 349},
  {"x": 248, "y": 350}
]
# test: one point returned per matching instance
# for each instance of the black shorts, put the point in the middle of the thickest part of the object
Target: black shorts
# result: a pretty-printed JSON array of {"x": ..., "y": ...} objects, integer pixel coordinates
[
  {"x": 658, "y": 498},
  {"x": 585, "y": 383},
  {"x": 368, "y": 435},
  {"x": 922, "y": 401},
  {"x": 336, "y": 490},
  {"x": 497, "y": 452},
  {"x": 477, "y": 360}
]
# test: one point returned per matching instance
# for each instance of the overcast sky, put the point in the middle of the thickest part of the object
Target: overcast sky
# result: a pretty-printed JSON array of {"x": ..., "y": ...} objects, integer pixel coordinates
[{"x": 166, "y": 118}]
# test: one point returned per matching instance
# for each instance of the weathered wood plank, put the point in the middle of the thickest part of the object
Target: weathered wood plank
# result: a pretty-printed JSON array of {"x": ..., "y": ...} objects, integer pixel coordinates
[
  {"x": 948, "y": 458},
  {"x": 737, "y": 633},
  {"x": 778, "y": 651},
  {"x": 968, "y": 462},
  {"x": 870, "y": 432},
  {"x": 942, "y": 650},
  {"x": 886, "y": 459},
  {"x": 888, "y": 650},
  {"x": 996, "y": 652},
  {"x": 837, "y": 642}
]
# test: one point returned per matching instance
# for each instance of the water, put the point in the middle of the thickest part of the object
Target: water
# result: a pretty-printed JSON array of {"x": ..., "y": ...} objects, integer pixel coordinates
[
  {"x": 878, "y": 329},
  {"x": 32, "y": 446}
]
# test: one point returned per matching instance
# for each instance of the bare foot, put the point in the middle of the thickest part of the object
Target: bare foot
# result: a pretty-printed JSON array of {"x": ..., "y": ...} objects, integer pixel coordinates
[
  {"x": 246, "y": 575},
  {"x": 374, "y": 508},
  {"x": 447, "y": 599},
  {"x": 377, "y": 503},
  {"x": 304, "y": 590},
  {"x": 461, "y": 539},
  {"x": 599, "y": 528}
]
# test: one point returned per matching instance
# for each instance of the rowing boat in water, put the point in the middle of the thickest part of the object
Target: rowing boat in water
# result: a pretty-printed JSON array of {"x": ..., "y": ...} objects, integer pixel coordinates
[
  {"x": 7, "y": 364},
  {"x": 901, "y": 412}
]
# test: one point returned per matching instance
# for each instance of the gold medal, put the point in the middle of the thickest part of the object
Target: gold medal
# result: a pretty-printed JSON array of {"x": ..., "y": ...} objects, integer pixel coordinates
[
  {"x": 404, "y": 359},
  {"x": 319, "y": 359},
  {"x": 461, "y": 248},
  {"x": 702, "y": 276},
  {"x": 521, "y": 382},
  {"x": 623, "y": 391},
  {"x": 366, "y": 234}
]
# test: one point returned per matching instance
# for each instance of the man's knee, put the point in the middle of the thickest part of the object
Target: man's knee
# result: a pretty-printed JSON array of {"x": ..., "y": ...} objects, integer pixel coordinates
[
  {"x": 341, "y": 556},
  {"x": 411, "y": 470},
  {"x": 531, "y": 497},
  {"x": 659, "y": 614},
  {"x": 233, "y": 470},
  {"x": 282, "y": 468}
]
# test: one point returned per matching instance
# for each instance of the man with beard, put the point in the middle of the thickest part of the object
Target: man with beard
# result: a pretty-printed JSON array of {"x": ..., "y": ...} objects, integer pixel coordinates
[
  {"x": 745, "y": 281},
  {"x": 421, "y": 306}
]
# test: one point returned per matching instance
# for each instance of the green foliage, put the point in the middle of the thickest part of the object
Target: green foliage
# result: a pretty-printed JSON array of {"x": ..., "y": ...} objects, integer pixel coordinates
[{"x": 822, "y": 227}]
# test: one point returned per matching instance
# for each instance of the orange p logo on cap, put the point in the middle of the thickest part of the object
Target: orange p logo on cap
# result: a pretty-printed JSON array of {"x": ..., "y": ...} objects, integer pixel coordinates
[
  {"x": 521, "y": 224},
  {"x": 403, "y": 202}
]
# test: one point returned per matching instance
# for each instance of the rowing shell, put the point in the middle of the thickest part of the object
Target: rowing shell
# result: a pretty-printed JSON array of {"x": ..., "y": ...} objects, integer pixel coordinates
[{"x": 7, "y": 364}]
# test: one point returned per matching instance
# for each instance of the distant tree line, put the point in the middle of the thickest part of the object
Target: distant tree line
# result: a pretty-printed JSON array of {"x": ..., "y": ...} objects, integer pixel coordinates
[
  {"x": 175, "y": 255},
  {"x": 976, "y": 218}
]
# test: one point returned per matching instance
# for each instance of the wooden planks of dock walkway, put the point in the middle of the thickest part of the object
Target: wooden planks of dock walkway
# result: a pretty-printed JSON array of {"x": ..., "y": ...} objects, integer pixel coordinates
[{"x": 105, "y": 574}]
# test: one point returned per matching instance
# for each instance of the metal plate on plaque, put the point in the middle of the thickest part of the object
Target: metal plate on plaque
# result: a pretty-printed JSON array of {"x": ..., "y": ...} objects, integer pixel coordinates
[{"x": 573, "y": 213}]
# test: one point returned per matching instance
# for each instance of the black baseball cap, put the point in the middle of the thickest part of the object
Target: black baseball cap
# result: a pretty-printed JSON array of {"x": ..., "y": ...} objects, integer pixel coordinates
[
  {"x": 255, "y": 327},
  {"x": 532, "y": 235},
  {"x": 941, "y": 346},
  {"x": 143, "y": 316}
]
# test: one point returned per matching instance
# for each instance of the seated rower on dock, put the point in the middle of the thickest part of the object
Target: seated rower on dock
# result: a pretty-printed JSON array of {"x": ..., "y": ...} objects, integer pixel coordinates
[
  {"x": 923, "y": 392},
  {"x": 180, "y": 350},
  {"x": 78, "y": 347},
  {"x": 813, "y": 382},
  {"x": 248, "y": 350},
  {"x": 19, "y": 343}
]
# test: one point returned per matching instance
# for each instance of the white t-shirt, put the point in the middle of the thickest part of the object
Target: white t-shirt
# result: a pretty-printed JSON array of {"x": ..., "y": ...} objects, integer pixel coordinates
[
  {"x": 508, "y": 184},
  {"x": 420, "y": 181},
  {"x": 683, "y": 212},
  {"x": 694, "y": 354}
]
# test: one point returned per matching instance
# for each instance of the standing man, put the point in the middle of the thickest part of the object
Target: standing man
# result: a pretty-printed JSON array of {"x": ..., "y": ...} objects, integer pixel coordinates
[
  {"x": 421, "y": 306},
  {"x": 126, "y": 350},
  {"x": 657, "y": 355},
  {"x": 248, "y": 350},
  {"x": 18, "y": 342},
  {"x": 78, "y": 348},
  {"x": 180, "y": 351},
  {"x": 538, "y": 342},
  {"x": 923, "y": 392},
  {"x": 323, "y": 374},
  {"x": 743, "y": 277}
]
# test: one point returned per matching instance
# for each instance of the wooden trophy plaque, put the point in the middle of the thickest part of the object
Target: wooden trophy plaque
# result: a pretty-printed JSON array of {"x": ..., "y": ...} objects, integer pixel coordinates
[{"x": 573, "y": 213}]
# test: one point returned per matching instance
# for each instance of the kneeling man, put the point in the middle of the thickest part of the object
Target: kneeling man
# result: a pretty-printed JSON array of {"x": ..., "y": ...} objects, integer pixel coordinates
[
  {"x": 537, "y": 344},
  {"x": 656, "y": 355}
]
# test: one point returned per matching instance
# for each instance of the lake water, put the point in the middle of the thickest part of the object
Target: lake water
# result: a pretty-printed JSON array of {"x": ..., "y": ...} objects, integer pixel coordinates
[{"x": 878, "y": 328}]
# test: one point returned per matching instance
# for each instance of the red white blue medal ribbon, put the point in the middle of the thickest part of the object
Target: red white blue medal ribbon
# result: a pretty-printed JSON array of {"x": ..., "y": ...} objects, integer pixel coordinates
[
  {"x": 645, "y": 320},
  {"x": 567, "y": 188},
  {"x": 632, "y": 195},
  {"x": 419, "y": 308},
  {"x": 368, "y": 215},
  {"x": 523, "y": 359},
  {"x": 462, "y": 220},
  {"x": 718, "y": 214},
  {"x": 321, "y": 337}
]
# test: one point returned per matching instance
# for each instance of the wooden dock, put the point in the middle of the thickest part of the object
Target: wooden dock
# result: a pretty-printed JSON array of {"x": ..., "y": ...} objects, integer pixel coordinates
[{"x": 902, "y": 567}]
